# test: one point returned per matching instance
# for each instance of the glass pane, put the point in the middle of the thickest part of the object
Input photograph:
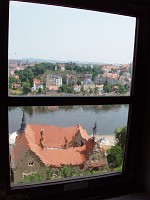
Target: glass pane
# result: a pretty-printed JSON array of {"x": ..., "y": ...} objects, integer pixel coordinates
[
  {"x": 50, "y": 143},
  {"x": 57, "y": 51}
]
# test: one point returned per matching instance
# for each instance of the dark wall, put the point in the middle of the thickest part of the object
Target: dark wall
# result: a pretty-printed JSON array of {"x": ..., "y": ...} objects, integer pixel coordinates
[{"x": 24, "y": 168}]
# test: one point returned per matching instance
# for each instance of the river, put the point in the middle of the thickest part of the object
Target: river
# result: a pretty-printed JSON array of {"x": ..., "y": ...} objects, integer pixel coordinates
[{"x": 107, "y": 117}]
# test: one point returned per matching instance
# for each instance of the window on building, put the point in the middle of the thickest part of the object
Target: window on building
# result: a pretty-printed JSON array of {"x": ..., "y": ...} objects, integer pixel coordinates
[{"x": 72, "y": 72}]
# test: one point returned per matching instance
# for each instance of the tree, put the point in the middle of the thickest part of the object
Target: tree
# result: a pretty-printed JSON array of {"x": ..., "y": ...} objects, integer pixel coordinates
[
  {"x": 40, "y": 91},
  {"x": 26, "y": 87},
  {"x": 115, "y": 156},
  {"x": 121, "y": 89},
  {"x": 107, "y": 88},
  {"x": 116, "y": 153},
  {"x": 25, "y": 75},
  {"x": 120, "y": 136},
  {"x": 90, "y": 90},
  {"x": 12, "y": 79},
  {"x": 95, "y": 90}
]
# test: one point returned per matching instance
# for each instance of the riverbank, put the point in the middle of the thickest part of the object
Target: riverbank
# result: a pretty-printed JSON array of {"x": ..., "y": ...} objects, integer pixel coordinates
[{"x": 105, "y": 140}]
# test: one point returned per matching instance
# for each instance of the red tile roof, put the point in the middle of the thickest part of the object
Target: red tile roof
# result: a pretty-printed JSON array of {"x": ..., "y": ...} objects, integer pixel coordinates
[
  {"x": 52, "y": 152},
  {"x": 36, "y": 81}
]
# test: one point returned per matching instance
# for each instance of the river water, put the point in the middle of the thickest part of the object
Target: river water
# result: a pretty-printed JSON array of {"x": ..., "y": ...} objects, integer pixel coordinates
[{"x": 107, "y": 117}]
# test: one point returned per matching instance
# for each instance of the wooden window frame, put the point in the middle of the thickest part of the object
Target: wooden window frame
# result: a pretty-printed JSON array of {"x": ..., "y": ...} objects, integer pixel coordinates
[{"x": 105, "y": 185}]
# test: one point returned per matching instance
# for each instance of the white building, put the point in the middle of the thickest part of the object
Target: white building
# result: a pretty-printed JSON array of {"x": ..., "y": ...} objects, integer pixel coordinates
[{"x": 53, "y": 80}]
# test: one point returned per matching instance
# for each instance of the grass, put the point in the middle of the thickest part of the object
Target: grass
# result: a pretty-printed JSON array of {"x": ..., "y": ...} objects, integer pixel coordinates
[{"x": 15, "y": 92}]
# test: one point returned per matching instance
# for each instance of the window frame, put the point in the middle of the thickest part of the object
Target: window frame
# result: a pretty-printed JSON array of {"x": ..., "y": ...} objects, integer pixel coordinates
[{"x": 120, "y": 182}]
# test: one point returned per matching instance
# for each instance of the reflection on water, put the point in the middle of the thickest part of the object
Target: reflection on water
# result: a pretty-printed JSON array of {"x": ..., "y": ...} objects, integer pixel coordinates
[
  {"x": 108, "y": 117},
  {"x": 45, "y": 109}
]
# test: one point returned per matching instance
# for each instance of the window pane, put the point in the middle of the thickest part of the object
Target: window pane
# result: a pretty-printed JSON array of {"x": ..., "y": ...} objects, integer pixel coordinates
[
  {"x": 59, "y": 51},
  {"x": 57, "y": 142}
]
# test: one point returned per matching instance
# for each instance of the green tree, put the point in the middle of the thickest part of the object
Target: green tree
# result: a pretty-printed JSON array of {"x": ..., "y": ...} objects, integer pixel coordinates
[
  {"x": 116, "y": 153},
  {"x": 26, "y": 87},
  {"x": 115, "y": 156},
  {"x": 90, "y": 90},
  {"x": 12, "y": 79},
  {"x": 26, "y": 75},
  {"x": 95, "y": 90},
  {"x": 107, "y": 88},
  {"x": 121, "y": 89},
  {"x": 40, "y": 91},
  {"x": 120, "y": 136}
]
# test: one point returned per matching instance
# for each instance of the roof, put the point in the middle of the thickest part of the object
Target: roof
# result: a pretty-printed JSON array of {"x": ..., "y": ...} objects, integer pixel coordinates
[
  {"x": 36, "y": 81},
  {"x": 53, "y": 87},
  {"x": 53, "y": 152}
]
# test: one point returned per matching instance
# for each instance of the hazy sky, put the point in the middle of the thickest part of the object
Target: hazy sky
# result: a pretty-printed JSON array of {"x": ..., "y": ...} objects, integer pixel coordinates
[{"x": 57, "y": 33}]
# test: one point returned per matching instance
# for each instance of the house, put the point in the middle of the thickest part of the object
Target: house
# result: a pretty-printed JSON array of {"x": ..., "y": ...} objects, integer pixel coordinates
[
  {"x": 53, "y": 88},
  {"x": 87, "y": 76},
  {"x": 36, "y": 85},
  {"x": 38, "y": 146},
  {"x": 60, "y": 66},
  {"x": 15, "y": 86},
  {"x": 71, "y": 79},
  {"x": 99, "y": 88},
  {"x": 100, "y": 79},
  {"x": 53, "y": 80}
]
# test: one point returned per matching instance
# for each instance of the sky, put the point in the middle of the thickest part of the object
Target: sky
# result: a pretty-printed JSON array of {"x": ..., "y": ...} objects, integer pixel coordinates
[{"x": 68, "y": 34}]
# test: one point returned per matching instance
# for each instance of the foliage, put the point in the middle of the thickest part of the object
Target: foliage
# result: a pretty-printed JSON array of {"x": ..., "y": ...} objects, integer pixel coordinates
[
  {"x": 107, "y": 88},
  {"x": 96, "y": 70},
  {"x": 26, "y": 87},
  {"x": 116, "y": 153},
  {"x": 35, "y": 177},
  {"x": 25, "y": 75},
  {"x": 96, "y": 90},
  {"x": 121, "y": 89},
  {"x": 12, "y": 79},
  {"x": 120, "y": 136},
  {"x": 66, "y": 88},
  {"x": 67, "y": 171},
  {"x": 115, "y": 156},
  {"x": 40, "y": 91},
  {"x": 15, "y": 92}
]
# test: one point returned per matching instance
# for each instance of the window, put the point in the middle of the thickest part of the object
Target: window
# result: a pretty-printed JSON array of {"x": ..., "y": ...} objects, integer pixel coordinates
[
  {"x": 86, "y": 184},
  {"x": 31, "y": 163}
]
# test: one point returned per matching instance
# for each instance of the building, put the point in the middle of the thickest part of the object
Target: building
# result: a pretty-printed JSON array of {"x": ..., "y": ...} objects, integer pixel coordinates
[
  {"x": 60, "y": 66},
  {"x": 53, "y": 80},
  {"x": 71, "y": 79},
  {"x": 39, "y": 146},
  {"x": 36, "y": 85}
]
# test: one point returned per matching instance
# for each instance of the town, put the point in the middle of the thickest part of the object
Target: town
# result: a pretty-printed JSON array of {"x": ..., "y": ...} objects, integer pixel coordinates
[{"x": 32, "y": 77}]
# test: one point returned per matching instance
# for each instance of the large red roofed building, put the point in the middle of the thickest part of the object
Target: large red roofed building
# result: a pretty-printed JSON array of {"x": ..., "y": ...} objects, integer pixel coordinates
[{"x": 37, "y": 146}]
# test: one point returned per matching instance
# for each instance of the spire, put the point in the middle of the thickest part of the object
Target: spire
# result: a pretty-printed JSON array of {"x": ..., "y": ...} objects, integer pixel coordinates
[
  {"x": 94, "y": 130},
  {"x": 23, "y": 124},
  {"x": 23, "y": 118}
]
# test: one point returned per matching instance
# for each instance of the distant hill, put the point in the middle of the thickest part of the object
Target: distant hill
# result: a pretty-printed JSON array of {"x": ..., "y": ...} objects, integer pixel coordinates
[{"x": 60, "y": 61}]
